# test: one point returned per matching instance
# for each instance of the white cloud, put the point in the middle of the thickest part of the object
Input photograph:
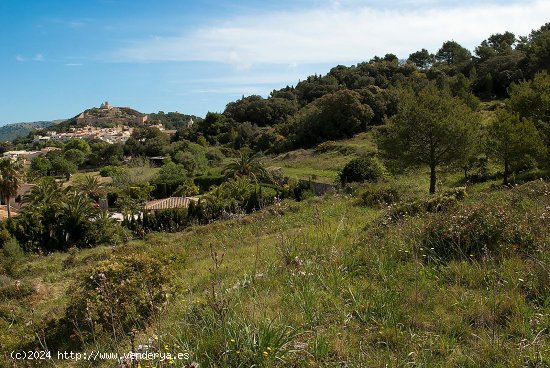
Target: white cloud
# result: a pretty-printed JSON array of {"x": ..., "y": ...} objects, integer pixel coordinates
[
  {"x": 20, "y": 58},
  {"x": 38, "y": 57},
  {"x": 338, "y": 34}
]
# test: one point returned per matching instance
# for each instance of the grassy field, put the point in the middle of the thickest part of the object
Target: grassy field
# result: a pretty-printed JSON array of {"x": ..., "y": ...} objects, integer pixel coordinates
[
  {"x": 322, "y": 165},
  {"x": 315, "y": 283}
]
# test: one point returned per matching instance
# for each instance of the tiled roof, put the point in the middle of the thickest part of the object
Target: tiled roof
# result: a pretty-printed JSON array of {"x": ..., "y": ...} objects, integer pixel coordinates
[{"x": 166, "y": 203}]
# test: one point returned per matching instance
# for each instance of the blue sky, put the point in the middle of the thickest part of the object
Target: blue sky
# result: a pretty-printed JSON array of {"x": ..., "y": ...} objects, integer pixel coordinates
[{"x": 59, "y": 57}]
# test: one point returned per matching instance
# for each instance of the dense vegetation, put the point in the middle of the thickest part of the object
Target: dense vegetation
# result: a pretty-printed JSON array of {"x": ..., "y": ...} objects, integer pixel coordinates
[{"x": 428, "y": 248}]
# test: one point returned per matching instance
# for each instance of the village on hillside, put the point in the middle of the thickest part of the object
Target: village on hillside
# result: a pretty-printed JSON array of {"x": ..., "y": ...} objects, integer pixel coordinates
[{"x": 106, "y": 114}]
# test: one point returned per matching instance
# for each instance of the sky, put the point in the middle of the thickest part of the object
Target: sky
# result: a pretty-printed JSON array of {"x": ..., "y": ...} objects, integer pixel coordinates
[{"x": 60, "y": 57}]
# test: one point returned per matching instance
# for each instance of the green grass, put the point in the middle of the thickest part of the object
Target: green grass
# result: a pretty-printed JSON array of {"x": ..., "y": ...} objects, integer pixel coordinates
[
  {"x": 322, "y": 166},
  {"x": 311, "y": 282}
]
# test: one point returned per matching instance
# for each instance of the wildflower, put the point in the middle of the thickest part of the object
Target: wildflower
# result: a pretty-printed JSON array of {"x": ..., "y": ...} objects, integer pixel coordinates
[
  {"x": 237, "y": 352},
  {"x": 269, "y": 349},
  {"x": 265, "y": 354},
  {"x": 232, "y": 340}
]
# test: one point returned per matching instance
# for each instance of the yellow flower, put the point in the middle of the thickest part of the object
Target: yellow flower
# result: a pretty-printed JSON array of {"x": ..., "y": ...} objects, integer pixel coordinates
[
  {"x": 265, "y": 354},
  {"x": 269, "y": 348},
  {"x": 232, "y": 340},
  {"x": 237, "y": 352}
]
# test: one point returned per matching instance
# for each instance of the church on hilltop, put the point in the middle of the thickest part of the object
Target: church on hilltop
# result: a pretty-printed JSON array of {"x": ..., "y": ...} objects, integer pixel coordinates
[{"x": 106, "y": 106}]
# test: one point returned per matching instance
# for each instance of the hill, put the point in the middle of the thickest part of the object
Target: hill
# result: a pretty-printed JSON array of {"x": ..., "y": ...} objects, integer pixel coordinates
[
  {"x": 105, "y": 116},
  {"x": 108, "y": 116},
  {"x": 11, "y": 131}
]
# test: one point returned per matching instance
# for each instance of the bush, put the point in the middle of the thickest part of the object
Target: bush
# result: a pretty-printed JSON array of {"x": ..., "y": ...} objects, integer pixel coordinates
[
  {"x": 363, "y": 169},
  {"x": 186, "y": 189},
  {"x": 303, "y": 190},
  {"x": 117, "y": 296},
  {"x": 168, "y": 220},
  {"x": 14, "y": 289},
  {"x": 477, "y": 231},
  {"x": 111, "y": 171},
  {"x": 12, "y": 255},
  {"x": 440, "y": 203},
  {"x": 379, "y": 196},
  {"x": 332, "y": 146},
  {"x": 207, "y": 181}
]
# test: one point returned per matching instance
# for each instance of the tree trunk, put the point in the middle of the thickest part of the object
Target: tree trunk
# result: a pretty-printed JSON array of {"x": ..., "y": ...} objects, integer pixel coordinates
[
  {"x": 506, "y": 172},
  {"x": 432, "y": 179},
  {"x": 8, "y": 206}
]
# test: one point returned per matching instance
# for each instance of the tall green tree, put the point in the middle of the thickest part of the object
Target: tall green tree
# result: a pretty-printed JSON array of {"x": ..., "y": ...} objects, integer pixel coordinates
[
  {"x": 531, "y": 99},
  {"x": 40, "y": 166},
  {"x": 431, "y": 128},
  {"x": 422, "y": 59},
  {"x": 335, "y": 115},
  {"x": 498, "y": 43},
  {"x": 78, "y": 144},
  {"x": 10, "y": 178},
  {"x": 514, "y": 142},
  {"x": 537, "y": 49},
  {"x": 452, "y": 53}
]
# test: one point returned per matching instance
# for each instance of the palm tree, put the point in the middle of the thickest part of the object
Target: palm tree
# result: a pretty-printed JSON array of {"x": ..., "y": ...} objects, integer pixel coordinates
[
  {"x": 91, "y": 186},
  {"x": 246, "y": 165},
  {"x": 46, "y": 192},
  {"x": 10, "y": 178},
  {"x": 44, "y": 204},
  {"x": 77, "y": 212}
]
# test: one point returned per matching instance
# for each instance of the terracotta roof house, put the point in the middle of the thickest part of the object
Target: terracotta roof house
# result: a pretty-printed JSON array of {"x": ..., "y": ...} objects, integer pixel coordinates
[{"x": 167, "y": 203}]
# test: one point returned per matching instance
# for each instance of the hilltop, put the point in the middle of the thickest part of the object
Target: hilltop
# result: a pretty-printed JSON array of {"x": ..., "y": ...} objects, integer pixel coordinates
[{"x": 107, "y": 116}]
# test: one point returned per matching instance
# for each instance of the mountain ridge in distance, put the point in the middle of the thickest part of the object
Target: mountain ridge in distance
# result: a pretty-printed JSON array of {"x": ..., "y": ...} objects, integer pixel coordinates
[{"x": 11, "y": 131}]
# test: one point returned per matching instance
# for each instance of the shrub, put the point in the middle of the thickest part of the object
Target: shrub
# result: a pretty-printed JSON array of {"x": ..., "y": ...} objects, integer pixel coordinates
[
  {"x": 363, "y": 169},
  {"x": 379, "y": 196},
  {"x": 433, "y": 204},
  {"x": 457, "y": 192},
  {"x": 303, "y": 190},
  {"x": 186, "y": 189},
  {"x": 13, "y": 255},
  {"x": 207, "y": 181},
  {"x": 111, "y": 171},
  {"x": 168, "y": 220},
  {"x": 480, "y": 230},
  {"x": 14, "y": 289},
  {"x": 332, "y": 146},
  {"x": 214, "y": 156},
  {"x": 117, "y": 296}
]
